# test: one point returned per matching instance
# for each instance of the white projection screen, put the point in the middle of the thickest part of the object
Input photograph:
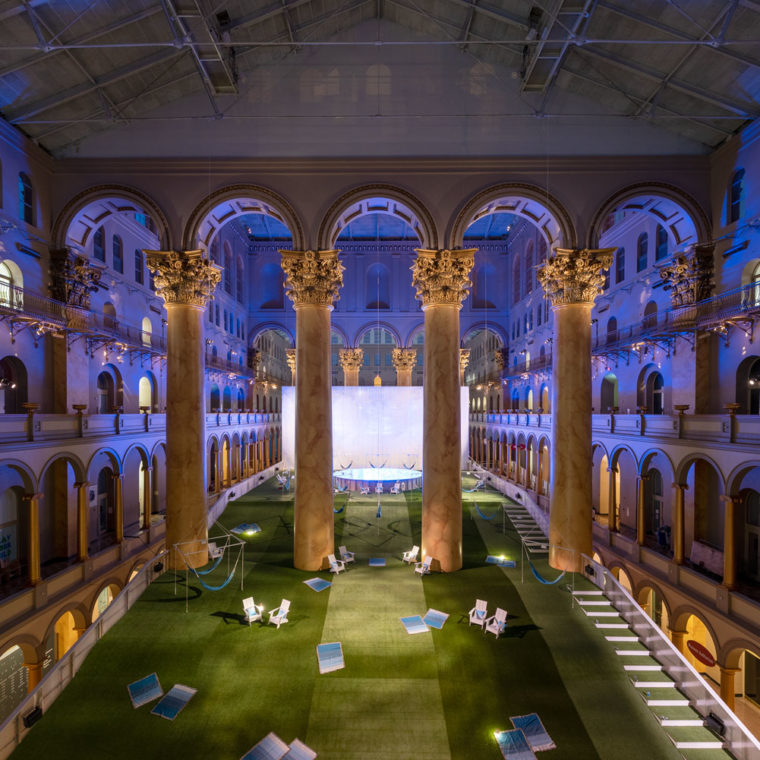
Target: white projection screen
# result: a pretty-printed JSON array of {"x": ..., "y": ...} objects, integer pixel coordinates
[{"x": 372, "y": 426}]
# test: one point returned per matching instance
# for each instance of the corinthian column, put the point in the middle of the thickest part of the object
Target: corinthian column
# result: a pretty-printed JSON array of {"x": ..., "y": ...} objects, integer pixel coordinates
[
  {"x": 351, "y": 361},
  {"x": 572, "y": 279},
  {"x": 186, "y": 281},
  {"x": 312, "y": 282},
  {"x": 404, "y": 360},
  {"x": 290, "y": 355},
  {"x": 464, "y": 360},
  {"x": 442, "y": 282}
]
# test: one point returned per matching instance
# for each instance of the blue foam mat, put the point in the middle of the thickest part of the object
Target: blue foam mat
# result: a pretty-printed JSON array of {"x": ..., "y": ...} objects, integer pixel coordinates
[
  {"x": 435, "y": 618},
  {"x": 318, "y": 584},
  {"x": 144, "y": 690},
  {"x": 174, "y": 701},
  {"x": 377, "y": 562},
  {"x": 414, "y": 624},
  {"x": 491, "y": 560}
]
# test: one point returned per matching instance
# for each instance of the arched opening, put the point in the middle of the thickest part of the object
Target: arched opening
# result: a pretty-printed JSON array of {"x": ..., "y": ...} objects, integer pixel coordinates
[
  {"x": 11, "y": 285},
  {"x": 655, "y": 393},
  {"x": 213, "y": 466},
  {"x": 58, "y": 515},
  {"x": 270, "y": 347},
  {"x": 109, "y": 316},
  {"x": 13, "y": 385},
  {"x": 622, "y": 578},
  {"x": 66, "y": 633},
  {"x": 612, "y": 330},
  {"x": 14, "y": 536},
  {"x": 748, "y": 386},
  {"x": 699, "y": 633},
  {"x": 378, "y": 344},
  {"x": 654, "y": 605},
  {"x": 654, "y": 505},
  {"x": 486, "y": 347},
  {"x": 103, "y": 600},
  {"x": 106, "y": 393},
  {"x": 105, "y": 501},
  {"x": 704, "y": 516},
  {"x": 650, "y": 316},
  {"x": 25, "y": 198},
  {"x": 609, "y": 393},
  {"x": 117, "y": 254},
  {"x": 227, "y": 399},
  {"x": 214, "y": 398},
  {"x": 145, "y": 393},
  {"x": 735, "y": 197}
]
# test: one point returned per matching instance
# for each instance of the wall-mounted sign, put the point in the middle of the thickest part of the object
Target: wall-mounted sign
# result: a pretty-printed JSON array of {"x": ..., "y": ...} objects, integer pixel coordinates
[{"x": 701, "y": 653}]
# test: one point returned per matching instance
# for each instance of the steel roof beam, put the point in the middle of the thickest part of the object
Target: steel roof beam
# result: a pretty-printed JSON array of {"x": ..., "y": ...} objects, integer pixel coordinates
[{"x": 740, "y": 109}]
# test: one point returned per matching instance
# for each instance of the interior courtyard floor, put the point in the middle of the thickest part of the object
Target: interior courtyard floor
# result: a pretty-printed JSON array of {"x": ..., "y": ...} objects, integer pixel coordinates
[{"x": 439, "y": 694}]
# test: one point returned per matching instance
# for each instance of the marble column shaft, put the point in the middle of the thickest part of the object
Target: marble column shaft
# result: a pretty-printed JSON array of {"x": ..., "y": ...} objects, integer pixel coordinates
[
  {"x": 441, "y": 467},
  {"x": 640, "y": 521},
  {"x": 313, "y": 529},
  {"x": 147, "y": 496},
  {"x": 185, "y": 280},
  {"x": 572, "y": 280},
  {"x": 313, "y": 279},
  {"x": 442, "y": 282}
]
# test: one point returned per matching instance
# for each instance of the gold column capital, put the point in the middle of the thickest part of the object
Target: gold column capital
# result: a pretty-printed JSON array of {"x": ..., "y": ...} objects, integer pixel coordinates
[
  {"x": 351, "y": 358},
  {"x": 464, "y": 358},
  {"x": 575, "y": 275},
  {"x": 312, "y": 277},
  {"x": 290, "y": 356},
  {"x": 404, "y": 359},
  {"x": 443, "y": 277},
  {"x": 184, "y": 277}
]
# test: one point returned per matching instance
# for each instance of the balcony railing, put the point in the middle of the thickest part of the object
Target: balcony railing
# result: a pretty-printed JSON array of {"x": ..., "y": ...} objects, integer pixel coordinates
[
  {"x": 25, "y": 305},
  {"x": 226, "y": 365},
  {"x": 733, "y": 305}
]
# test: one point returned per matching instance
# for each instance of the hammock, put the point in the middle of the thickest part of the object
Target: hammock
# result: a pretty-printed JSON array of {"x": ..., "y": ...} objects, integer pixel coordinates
[
  {"x": 338, "y": 511},
  {"x": 479, "y": 484},
  {"x": 379, "y": 512},
  {"x": 485, "y": 517},
  {"x": 215, "y": 588},
  {"x": 214, "y": 565},
  {"x": 375, "y": 466},
  {"x": 347, "y": 466},
  {"x": 543, "y": 580}
]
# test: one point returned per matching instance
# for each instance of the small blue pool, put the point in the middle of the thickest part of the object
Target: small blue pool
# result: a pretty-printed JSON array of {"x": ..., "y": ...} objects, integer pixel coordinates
[{"x": 375, "y": 478}]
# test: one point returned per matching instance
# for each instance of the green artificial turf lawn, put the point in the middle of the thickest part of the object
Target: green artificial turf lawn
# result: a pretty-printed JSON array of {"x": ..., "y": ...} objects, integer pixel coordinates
[{"x": 432, "y": 695}]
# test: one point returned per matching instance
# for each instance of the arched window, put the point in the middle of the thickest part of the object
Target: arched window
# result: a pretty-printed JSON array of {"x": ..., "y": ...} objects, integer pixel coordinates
[
  {"x": 378, "y": 81},
  {"x": 227, "y": 399},
  {"x": 214, "y": 397},
  {"x": 619, "y": 265},
  {"x": 612, "y": 331},
  {"x": 529, "y": 267},
  {"x": 377, "y": 287},
  {"x": 606, "y": 282},
  {"x": 147, "y": 330},
  {"x": 270, "y": 280},
  {"x": 145, "y": 393},
  {"x": 139, "y": 270},
  {"x": 109, "y": 315},
  {"x": 106, "y": 512},
  {"x": 118, "y": 254},
  {"x": 484, "y": 275},
  {"x": 239, "y": 280},
  {"x": 7, "y": 294},
  {"x": 25, "y": 198},
  {"x": 650, "y": 316},
  {"x": 661, "y": 250},
  {"x": 736, "y": 196},
  {"x": 653, "y": 489},
  {"x": 642, "y": 251},
  {"x": 227, "y": 268},
  {"x": 99, "y": 244},
  {"x": 13, "y": 383},
  {"x": 516, "y": 280},
  {"x": 214, "y": 250}
]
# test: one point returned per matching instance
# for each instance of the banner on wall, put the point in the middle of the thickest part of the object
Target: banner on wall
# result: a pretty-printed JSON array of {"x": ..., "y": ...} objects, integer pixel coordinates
[{"x": 8, "y": 543}]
